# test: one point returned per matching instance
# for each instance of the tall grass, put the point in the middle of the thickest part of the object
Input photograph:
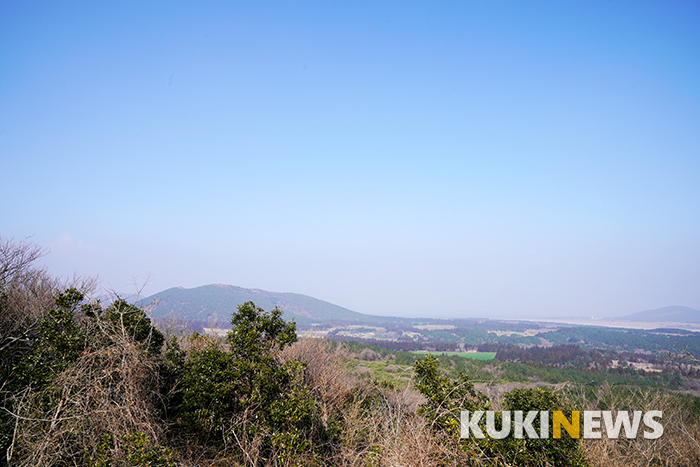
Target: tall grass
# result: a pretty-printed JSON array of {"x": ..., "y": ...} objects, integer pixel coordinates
[{"x": 678, "y": 446}]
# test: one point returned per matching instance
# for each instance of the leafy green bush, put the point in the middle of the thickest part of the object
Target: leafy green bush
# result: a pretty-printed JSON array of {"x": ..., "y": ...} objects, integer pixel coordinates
[
  {"x": 446, "y": 397},
  {"x": 241, "y": 394},
  {"x": 127, "y": 318},
  {"x": 139, "y": 452},
  {"x": 59, "y": 342},
  {"x": 564, "y": 451}
]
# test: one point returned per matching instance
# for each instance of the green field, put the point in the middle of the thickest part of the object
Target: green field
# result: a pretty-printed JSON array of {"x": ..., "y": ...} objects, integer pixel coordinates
[{"x": 472, "y": 355}]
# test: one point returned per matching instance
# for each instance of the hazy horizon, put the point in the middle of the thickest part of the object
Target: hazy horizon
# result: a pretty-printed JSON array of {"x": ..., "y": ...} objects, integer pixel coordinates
[
  {"x": 140, "y": 297},
  {"x": 490, "y": 159}
]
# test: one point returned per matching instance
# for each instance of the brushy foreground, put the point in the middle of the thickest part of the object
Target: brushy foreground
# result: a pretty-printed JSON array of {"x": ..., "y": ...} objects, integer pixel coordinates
[{"x": 89, "y": 385}]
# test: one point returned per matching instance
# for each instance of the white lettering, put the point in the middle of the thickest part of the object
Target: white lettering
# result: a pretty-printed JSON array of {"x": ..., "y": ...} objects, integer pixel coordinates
[
  {"x": 471, "y": 424},
  {"x": 658, "y": 428},
  {"x": 526, "y": 424},
  {"x": 491, "y": 424},
  {"x": 544, "y": 424},
  {"x": 591, "y": 421},
  {"x": 623, "y": 418}
]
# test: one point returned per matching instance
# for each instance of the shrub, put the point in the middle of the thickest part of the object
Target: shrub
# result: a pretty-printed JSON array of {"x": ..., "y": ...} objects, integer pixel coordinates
[
  {"x": 88, "y": 377},
  {"x": 560, "y": 452},
  {"x": 244, "y": 395},
  {"x": 445, "y": 397},
  {"x": 131, "y": 320},
  {"x": 139, "y": 452}
]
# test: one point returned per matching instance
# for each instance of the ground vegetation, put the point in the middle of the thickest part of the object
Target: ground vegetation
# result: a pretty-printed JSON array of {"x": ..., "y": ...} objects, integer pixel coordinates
[{"x": 87, "y": 383}]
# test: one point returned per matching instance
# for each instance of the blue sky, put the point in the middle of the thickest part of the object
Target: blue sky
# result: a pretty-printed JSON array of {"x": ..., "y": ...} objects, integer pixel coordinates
[{"x": 497, "y": 159}]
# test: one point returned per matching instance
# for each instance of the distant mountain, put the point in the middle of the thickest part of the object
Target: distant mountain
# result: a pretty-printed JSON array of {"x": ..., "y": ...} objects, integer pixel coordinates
[
  {"x": 675, "y": 314},
  {"x": 217, "y": 302}
]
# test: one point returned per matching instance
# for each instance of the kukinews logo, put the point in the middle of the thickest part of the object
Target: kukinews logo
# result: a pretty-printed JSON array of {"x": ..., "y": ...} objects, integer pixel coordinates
[{"x": 594, "y": 422}]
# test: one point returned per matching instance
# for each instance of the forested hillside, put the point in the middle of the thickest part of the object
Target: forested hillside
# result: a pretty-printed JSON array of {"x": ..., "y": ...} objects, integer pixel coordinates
[{"x": 216, "y": 303}]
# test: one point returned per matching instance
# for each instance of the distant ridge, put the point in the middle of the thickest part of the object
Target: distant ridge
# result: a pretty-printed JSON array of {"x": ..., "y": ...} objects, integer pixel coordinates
[
  {"x": 216, "y": 303},
  {"x": 675, "y": 314}
]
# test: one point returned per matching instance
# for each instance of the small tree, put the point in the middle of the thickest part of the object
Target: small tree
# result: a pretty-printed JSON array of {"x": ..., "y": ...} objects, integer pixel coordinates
[
  {"x": 133, "y": 321},
  {"x": 446, "y": 397},
  {"x": 245, "y": 396}
]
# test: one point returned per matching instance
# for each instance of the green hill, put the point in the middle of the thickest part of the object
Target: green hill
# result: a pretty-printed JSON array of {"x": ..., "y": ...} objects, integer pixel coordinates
[{"x": 217, "y": 302}]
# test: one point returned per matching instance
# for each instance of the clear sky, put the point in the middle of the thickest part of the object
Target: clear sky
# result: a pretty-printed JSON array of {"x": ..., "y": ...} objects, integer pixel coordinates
[{"x": 443, "y": 159}]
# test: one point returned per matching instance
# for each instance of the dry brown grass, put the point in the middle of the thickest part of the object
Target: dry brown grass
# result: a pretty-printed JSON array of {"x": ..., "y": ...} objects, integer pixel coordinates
[
  {"x": 380, "y": 426},
  {"x": 678, "y": 446},
  {"x": 325, "y": 374}
]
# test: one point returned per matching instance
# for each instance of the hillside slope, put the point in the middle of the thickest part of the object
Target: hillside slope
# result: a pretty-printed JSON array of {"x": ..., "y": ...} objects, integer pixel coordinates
[
  {"x": 216, "y": 302},
  {"x": 676, "y": 314}
]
